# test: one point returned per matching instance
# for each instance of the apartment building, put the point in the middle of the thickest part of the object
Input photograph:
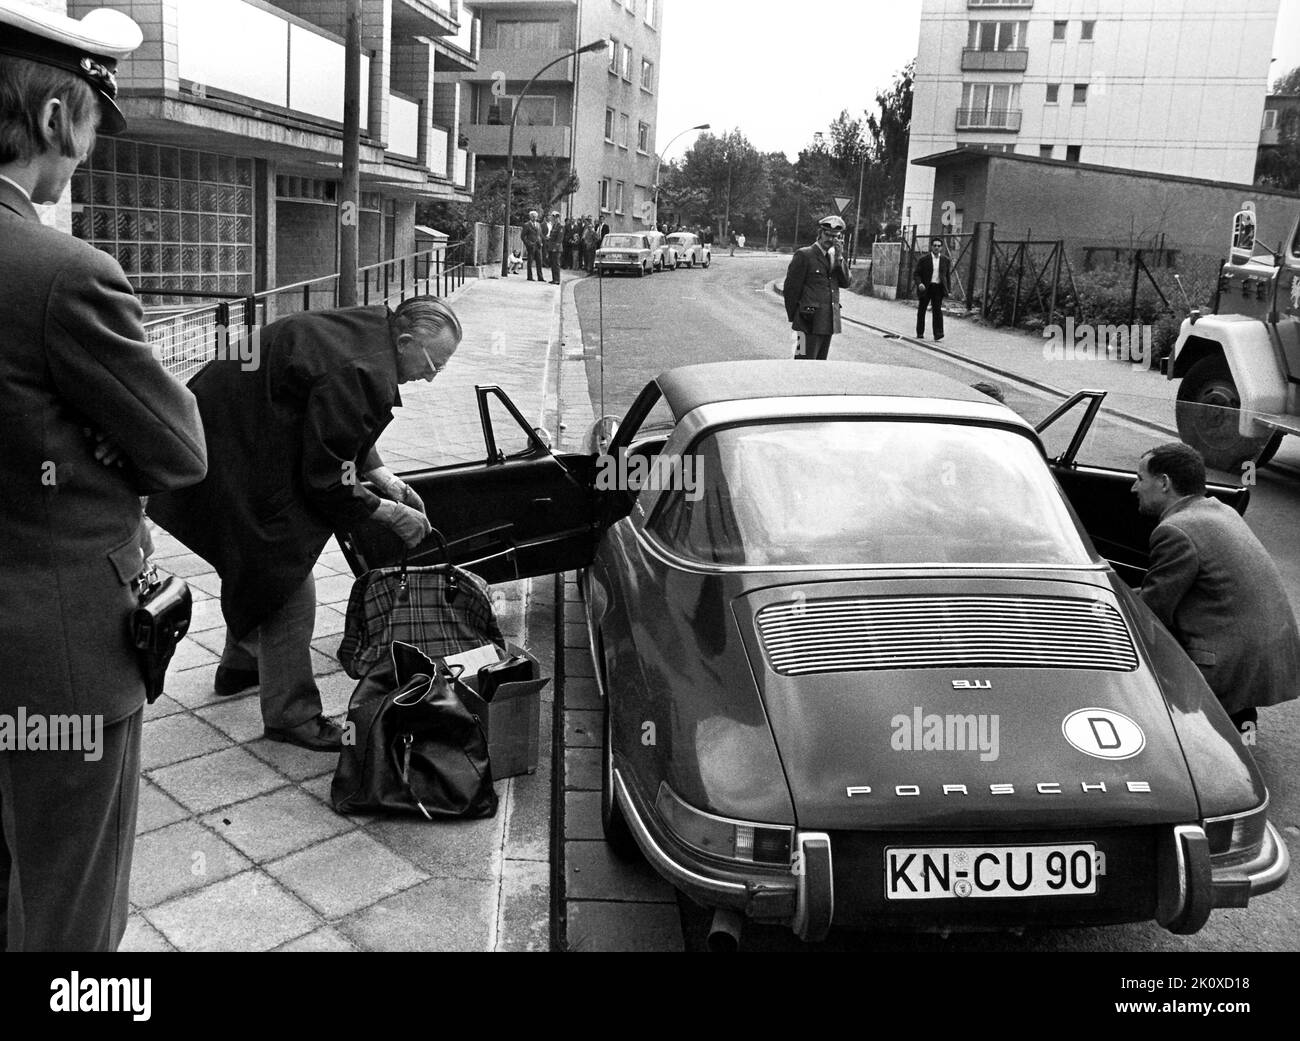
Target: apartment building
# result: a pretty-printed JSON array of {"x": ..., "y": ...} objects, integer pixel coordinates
[
  {"x": 1167, "y": 86},
  {"x": 227, "y": 179},
  {"x": 596, "y": 115}
]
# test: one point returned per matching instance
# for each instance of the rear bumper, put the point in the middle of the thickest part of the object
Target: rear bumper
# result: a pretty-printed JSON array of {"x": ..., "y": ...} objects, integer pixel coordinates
[{"x": 1176, "y": 859}]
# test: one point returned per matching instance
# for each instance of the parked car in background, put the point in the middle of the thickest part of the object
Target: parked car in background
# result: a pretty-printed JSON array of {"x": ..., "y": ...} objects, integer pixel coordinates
[
  {"x": 626, "y": 251},
  {"x": 665, "y": 256},
  {"x": 690, "y": 250},
  {"x": 869, "y": 657}
]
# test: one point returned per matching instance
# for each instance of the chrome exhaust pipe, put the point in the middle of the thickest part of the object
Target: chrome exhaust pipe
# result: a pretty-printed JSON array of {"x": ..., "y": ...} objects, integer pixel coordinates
[{"x": 725, "y": 929}]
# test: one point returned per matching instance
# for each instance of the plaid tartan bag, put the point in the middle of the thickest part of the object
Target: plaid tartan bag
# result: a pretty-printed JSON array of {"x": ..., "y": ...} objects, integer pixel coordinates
[{"x": 440, "y": 610}]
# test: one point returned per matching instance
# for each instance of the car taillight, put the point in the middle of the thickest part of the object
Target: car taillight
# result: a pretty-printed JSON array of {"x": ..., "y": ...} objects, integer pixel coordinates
[
  {"x": 1237, "y": 838},
  {"x": 722, "y": 837}
]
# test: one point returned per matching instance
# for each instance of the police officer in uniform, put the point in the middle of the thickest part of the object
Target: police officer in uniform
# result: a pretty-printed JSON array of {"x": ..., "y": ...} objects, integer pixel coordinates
[
  {"x": 813, "y": 282},
  {"x": 91, "y": 421}
]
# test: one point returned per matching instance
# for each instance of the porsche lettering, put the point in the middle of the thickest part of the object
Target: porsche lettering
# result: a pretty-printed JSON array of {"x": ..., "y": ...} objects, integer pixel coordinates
[{"x": 1004, "y": 788}]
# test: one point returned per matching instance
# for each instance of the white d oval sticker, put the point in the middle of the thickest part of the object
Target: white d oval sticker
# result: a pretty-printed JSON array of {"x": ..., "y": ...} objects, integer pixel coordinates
[{"x": 1103, "y": 733}]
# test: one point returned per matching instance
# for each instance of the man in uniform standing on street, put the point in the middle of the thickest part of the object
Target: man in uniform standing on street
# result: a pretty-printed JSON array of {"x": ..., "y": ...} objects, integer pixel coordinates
[{"x": 812, "y": 287}]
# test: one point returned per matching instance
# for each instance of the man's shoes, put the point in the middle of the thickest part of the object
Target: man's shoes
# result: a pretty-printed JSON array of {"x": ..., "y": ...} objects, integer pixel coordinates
[
  {"x": 555, "y": 283},
  {"x": 230, "y": 681},
  {"x": 937, "y": 339},
  {"x": 318, "y": 734}
]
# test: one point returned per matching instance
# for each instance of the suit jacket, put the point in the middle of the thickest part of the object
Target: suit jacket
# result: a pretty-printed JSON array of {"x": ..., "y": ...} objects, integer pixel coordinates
[
  {"x": 289, "y": 441},
  {"x": 553, "y": 236},
  {"x": 73, "y": 354},
  {"x": 925, "y": 269},
  {"x": 1218, "y": 591},
  {"x": 531, "y": 234},
  {"x": 811, "y": 282}
]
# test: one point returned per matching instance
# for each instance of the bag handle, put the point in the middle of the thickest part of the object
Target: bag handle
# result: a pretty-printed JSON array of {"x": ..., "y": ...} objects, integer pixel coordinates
[
  {"x": 424, "y": 683},
  {"x": 438, "y": 537}
]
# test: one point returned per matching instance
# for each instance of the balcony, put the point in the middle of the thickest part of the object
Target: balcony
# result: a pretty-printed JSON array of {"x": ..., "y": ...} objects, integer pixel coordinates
[
  {"x": 1268, "y": 137},
  {"x": 1007, "y": 119},
  {"x": 460, "y": 176},
  {"x": 412, "y": 18},
  {"x": 997, "y": 5},
  {"x": 973, "y": 60},
  {"x": 519, "y": 65},
  {"x": 493, "y": 140},
  {"x": 439, "y": 141},
  {"x": 281, "y": 62},
  {"x": 404, "y": 127}
]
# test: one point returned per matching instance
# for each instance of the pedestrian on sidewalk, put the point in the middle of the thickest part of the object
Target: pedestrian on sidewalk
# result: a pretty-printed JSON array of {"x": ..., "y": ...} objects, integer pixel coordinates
[
  {"x": 1216, "y": 588},
  {"x": 531, "y": 234},
  {"x": 292, "y": 438},
  {"x": 812, "y": 289},
  {"x": 553, "y": 242},
  {"x": 932, "y": 277},
  {"x": 91, "y": 421}
]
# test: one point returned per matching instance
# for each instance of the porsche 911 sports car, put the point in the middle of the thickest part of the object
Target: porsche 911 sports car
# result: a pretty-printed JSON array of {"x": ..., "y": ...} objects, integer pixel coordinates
[{"x": 870, "y": 659}]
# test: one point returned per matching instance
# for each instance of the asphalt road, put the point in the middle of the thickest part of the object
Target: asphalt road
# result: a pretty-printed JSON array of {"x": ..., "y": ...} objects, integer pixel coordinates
[{"x": 725, "y": 313}]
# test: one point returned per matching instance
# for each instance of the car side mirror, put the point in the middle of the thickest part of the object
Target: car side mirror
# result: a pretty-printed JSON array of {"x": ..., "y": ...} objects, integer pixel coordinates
[
  {"x": 599, "y": 436},
  {"x": 544, "y": 436},
  {"x": 1243, "y": 236}
]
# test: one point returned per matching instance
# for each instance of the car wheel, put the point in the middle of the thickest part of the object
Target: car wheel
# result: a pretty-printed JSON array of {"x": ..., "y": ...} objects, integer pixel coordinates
[
  {"x": 618, "y": 835},
  {"x": 1207, "y": 413},
  {"x": 640, "y": 272}
]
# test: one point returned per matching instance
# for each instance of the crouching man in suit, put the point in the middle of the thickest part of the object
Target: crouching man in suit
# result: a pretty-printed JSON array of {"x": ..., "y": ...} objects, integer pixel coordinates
[
  {"x": 812, "y": 289},
  {"x": 1216, "y": 588}
]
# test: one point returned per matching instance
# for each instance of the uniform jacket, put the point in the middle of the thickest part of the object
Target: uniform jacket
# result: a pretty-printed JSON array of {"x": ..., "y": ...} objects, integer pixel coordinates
[
  {"x": 553, "y": 236},
  {"x": 72, "y": 533},
  {"x": 925, "y": 270},
  {"x": 531, "y": 234},
  {"x": 1218, "y": 591},
  {"x": 810, "y": 282},
  {"x": 288, "y": 444}
]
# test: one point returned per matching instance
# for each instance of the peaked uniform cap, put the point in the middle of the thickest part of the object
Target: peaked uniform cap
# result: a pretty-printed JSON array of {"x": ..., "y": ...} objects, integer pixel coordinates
[{"x": 89, "y": 47}]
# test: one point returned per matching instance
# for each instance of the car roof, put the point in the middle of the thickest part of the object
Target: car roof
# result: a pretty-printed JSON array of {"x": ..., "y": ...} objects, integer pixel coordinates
[{"x": 691, "y": 386}]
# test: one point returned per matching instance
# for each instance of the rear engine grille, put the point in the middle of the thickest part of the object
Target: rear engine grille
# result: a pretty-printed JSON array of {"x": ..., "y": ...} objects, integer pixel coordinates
[{"x": 924, "y": 632}]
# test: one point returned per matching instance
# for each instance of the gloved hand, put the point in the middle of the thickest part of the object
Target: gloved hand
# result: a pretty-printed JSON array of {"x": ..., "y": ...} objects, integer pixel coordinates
[
  {"x": 410, "y": 498},
  {"x": 409, "y": 525}
]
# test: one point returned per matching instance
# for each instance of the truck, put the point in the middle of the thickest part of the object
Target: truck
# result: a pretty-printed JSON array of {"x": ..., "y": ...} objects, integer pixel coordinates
[{"x": 1240, "y": 365}]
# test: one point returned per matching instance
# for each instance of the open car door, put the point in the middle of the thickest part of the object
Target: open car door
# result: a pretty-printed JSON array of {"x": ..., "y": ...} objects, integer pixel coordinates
[
  {"x": 1102, "y": 493},
  {"x": 520, "y": 512}
]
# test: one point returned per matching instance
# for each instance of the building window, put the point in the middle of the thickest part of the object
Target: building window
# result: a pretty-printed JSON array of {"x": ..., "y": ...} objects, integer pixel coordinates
[
  {"x": 604, "y": 195},
  {"x": 643, "y": 138},
  {"x": 611, "y": 50},
  {"x": 627, "y": 62},
  {"x": 1081, "y": 93},
  {"x": 647, "y": 74},
  {"x": 992, "y": 105},
  {"x": 1072, "y": 153},
  {"x": 534, "y": 111},
  {"x": 520, "y": 35},
  {"x": 997, "y": 36},
  {"x": 1053, "y": 93},
  {"x": 959, "y": 184},
  {"x": 173, "y": 218},
  {"x": 623, "y": 123},
  {"x": 618, "y": 198},
  {"x": 1270, "y": 118},
  {"x": 609, "y": 125},
  {"x": 1058, "y": 30},
  {"x": 1085, "y": 32},
  {"x": 1044, "y": 151},
  {"x": 651, "y": 13}
]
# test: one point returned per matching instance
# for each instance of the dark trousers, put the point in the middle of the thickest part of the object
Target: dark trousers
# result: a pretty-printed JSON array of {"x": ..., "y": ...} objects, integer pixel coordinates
[
  {"x": 555, "y": 266},
  {"x": 933, "y": 298},
  {"x": 818, "y": 347},
  {"x": 68, "y": 832},
  {"x": 533, "y": 254}
]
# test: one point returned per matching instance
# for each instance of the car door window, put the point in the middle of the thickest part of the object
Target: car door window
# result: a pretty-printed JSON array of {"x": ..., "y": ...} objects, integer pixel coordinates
[{"x": 507, "y": 435}]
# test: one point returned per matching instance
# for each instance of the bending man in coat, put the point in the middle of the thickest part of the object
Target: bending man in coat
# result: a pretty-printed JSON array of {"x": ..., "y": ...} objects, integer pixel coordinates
[
  {"x": 812, "y": 289},
  {"x": 290, "y": 442},
  {"x": 1216, "y": 588},
  {"x": 90, "y": 421}
]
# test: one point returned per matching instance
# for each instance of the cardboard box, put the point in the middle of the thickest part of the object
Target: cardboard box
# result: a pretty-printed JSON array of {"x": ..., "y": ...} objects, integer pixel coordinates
[{"x": 511, "y": 720}]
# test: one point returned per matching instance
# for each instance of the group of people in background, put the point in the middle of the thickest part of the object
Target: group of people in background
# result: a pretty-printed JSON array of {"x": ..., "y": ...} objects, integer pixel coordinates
[{"x": 571, "y": 244}]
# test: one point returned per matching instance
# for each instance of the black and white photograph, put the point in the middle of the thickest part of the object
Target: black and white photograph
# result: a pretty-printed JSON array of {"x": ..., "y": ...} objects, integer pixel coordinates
[{"x": 650, "y": 476}]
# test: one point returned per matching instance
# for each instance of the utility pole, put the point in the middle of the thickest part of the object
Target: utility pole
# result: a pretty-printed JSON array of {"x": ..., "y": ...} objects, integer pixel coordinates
[
  {"x": 726, "y": 220},
  {"x": 350, "y": 195},
  {"x": 857, "y": 221}
]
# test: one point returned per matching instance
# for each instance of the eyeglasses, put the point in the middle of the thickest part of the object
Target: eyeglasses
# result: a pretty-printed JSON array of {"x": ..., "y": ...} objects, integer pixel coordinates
[{"x": 436, "y": 368}]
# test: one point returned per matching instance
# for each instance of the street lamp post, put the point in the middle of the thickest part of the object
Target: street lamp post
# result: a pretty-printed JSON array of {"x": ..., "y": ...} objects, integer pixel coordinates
[
  {"x": 659, "y": 162},
  {"x": 595, "y": 45}
]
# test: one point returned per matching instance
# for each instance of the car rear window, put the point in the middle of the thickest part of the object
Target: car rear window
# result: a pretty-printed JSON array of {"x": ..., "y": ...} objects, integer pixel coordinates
[
  {"x": 624, "y": 242},
  {"x": 869, "y": 492}
]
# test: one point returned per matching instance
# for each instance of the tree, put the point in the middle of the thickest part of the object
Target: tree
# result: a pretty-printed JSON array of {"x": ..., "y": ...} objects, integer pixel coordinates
[
  {"x": 723, "y": 180},
  {"x": 1289, "y": 83},
  {"x": 889, "y": 139}
]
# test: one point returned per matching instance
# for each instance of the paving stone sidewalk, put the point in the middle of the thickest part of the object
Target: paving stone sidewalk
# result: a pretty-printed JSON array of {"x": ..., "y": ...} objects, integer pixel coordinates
[{"x": 238, "y": 848}]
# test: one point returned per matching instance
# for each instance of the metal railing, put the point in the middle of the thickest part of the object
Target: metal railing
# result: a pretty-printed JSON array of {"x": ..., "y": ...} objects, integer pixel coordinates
[
  {"x": 988, "y": 119},
  {"x": 219, "y": 328}
]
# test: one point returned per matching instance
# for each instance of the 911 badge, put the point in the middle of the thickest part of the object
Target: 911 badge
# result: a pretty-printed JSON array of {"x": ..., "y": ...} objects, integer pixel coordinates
[{"x": 1103, "y": 733}]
